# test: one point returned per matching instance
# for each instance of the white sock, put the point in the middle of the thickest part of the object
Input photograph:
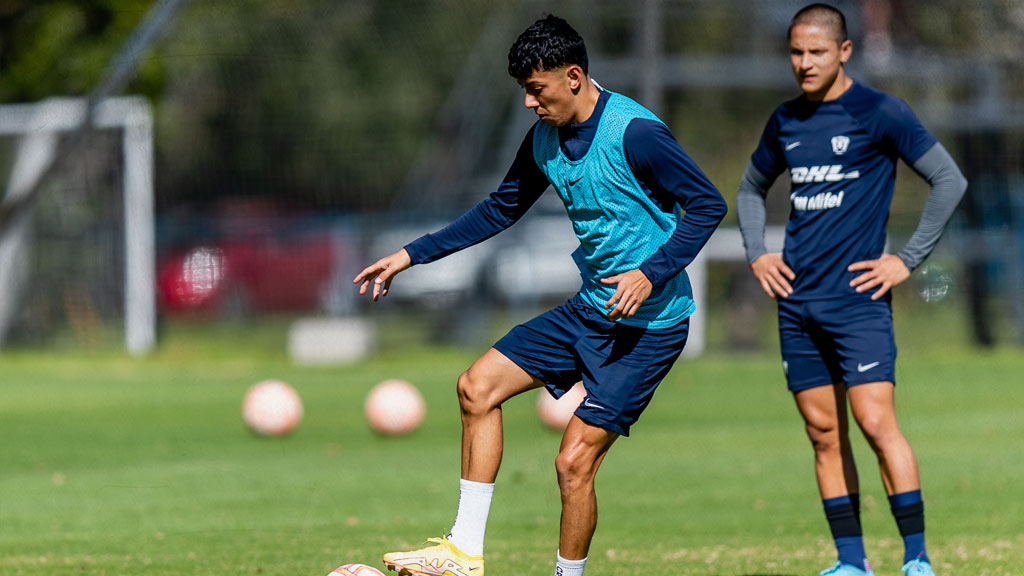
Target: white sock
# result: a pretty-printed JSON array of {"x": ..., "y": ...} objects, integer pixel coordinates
[
  {"x": 565, "y": 567},
  {"x": 467, "y": 533}
]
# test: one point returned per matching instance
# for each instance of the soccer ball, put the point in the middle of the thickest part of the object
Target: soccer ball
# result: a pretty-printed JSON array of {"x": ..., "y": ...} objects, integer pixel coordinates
[
  {"x": 395, "y": 407},
  {"x": 557, "y": 413},
  {"x": 355, "y": 570},
  {"x": 271, "y": 408}
]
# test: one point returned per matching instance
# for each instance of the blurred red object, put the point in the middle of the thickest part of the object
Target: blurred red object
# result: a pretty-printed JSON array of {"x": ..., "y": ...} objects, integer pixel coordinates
[{"x": 255, "y": 263}]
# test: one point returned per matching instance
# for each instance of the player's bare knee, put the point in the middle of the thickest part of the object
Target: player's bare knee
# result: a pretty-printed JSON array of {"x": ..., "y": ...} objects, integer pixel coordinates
[
  {"x": 824, "y": 438},
  {"x": 877, "y": 429},
  {"x": 572, "y": 469},
  {"x": 474, "y": 394}
]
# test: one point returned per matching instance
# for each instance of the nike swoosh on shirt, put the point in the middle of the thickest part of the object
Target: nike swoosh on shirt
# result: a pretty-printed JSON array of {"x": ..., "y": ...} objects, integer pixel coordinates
[
  {"x": 590, "y": 404},
  {"x": 866, "y": 367},
  {"x": 574, "y": 182},
  {"x": 792, "y": 145}
]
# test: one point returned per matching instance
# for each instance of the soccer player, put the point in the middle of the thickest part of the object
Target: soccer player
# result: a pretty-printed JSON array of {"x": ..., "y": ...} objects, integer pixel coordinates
[
  {"x": 840, "y": 141},
  {"x": 623, "y": 179}
]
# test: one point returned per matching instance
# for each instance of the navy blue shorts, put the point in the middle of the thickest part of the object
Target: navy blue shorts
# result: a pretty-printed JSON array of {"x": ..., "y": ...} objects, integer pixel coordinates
[
  {"x": 620, "y": 365},
  {"x": 847, "y": 340}
]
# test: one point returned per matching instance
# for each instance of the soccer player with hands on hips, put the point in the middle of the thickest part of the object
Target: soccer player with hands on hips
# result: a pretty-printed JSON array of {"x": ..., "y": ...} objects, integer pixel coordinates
[
  {"x": 623, "y": 179},
  {"x": 840, "y": 142}
]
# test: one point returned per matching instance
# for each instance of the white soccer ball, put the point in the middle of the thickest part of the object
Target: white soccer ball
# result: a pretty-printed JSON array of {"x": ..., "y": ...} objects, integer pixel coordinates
[
  {"x": 395, "y": 407},
  {"x": 557, "y": 413},
  {"x": 355, "y": 570},
  {"x": 271, "y": 408}
]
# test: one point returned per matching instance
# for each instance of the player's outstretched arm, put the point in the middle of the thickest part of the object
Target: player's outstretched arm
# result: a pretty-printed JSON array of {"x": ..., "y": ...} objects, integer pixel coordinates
[
  {"x": 773, "y": 274},
  {"x": 883, "y": 273},
  {"x": 382, "y": 272}
]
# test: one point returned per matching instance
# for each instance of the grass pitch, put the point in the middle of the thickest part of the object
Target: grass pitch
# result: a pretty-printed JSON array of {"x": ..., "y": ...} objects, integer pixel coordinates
[{"x": 114, "y": 466}]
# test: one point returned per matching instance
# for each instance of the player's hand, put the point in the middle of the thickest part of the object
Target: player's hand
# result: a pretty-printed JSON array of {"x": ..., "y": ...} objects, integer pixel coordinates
[
  {"x": 382, "y": 272},
  {"x": 773, "y": 274},
  {"x": 886, "y": 272},
  {"x": 631, "y": 291}
]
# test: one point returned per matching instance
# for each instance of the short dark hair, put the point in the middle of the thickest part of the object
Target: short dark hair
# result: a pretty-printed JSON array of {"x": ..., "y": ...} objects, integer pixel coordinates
[
  {"x": 547, "y": 44},
  {"x": 823, "y": 15}
]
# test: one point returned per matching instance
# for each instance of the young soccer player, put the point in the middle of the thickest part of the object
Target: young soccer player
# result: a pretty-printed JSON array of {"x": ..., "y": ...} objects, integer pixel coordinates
[
  {"x": 840, "y": 141},
  {"x": 623, "y": 178}
]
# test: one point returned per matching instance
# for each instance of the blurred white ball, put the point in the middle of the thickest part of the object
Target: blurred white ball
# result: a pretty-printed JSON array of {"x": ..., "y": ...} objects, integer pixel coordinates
[
  {"x": 557, "y": 413},
  {"x": 395, "y": 407},
  {"x": 355, "y": 570},
  {"x": 271, "y": 408}
]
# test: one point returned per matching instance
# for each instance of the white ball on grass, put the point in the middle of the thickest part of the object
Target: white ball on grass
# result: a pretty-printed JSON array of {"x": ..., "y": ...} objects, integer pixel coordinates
[
  {"x": 557, "y": 413},
  {"x": 271, "y": 408},
  {"x": 355, "y": 570},
  {"x": 395, "y": 407}
]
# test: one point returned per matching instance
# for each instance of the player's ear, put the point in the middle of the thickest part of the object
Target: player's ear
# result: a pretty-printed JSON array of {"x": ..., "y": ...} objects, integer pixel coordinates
[
  {"x": 845, "y": 51},
  {"x": 574, "y": 74}
]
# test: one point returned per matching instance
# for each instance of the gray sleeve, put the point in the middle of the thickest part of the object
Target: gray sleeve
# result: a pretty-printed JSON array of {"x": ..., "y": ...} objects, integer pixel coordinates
[
  {"x": 750, "y": 211},
  {"x": 948, "y": 186}
]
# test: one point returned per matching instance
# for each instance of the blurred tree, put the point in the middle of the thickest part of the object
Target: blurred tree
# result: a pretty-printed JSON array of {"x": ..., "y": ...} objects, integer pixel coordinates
[
  {"x": 321, "y": 103},
  {"x": 326, "y": 103},
  {"x": 61, "y": 48}
]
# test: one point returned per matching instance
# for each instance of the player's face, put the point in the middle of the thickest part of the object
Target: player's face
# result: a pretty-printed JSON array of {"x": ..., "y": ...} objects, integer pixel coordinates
[
  {"x": 817, "y": 59},
  {"x": 551, "y": 94}
]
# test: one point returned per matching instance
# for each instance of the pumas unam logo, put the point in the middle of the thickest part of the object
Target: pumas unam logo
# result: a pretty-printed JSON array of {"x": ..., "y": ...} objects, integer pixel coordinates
[
  {"x": 833, "y": 173},
  {"x": 840, "y": 144}
]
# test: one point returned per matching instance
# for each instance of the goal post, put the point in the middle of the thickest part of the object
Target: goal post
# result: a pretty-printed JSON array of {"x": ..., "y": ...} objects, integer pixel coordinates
[
  {"x": 725, "y": 245},
  {"x": 37, "y": 126}
]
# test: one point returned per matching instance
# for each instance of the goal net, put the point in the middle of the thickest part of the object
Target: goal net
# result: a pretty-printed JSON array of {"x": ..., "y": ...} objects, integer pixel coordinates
[{"x": 77, "y": 259}]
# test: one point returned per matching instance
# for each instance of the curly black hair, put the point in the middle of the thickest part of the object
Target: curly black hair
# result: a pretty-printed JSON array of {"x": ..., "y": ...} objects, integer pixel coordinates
[{"x": 547, "y": 44}]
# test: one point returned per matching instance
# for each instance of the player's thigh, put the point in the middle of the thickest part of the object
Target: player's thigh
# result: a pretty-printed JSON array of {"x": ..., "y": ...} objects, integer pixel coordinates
[
  {"x": 583, "y": 447},
  {"x": 494, "y": 378},
  {"x": 821, "y": 408},
  {"x": 874, "y": 407}
]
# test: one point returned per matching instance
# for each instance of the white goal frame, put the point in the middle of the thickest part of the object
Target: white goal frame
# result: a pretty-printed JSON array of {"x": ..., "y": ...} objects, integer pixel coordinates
[
  {"x": 39, "y": 125},
  {"x": 725, "y": 245}
]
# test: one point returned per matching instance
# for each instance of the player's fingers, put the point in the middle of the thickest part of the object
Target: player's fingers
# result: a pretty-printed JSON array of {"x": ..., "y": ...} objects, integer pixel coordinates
[
  {"x": 862, "y": 265},
  {"x": 777, "y": 283},
  {"x": 766, "y": 285},
  {"x": 621, "y": 310},
  {"x": 616, "y": 297},
  {"x": 633, "y": 308},
  {"x": 881, "y": 291},
  {"x": 363, "y": 275},
  {"x": 787, "y": 272},
  {"x": 869, "y": 284},
  {"x": 862, "y": 278},
  {"x": 780, "y": 280},
  {"x": 376, "y": 288},
  {"x": 387, "y": 285}
]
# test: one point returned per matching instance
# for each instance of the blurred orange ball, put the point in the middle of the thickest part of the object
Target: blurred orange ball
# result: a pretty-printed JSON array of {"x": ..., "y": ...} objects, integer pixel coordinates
[
  {"x": 271, "y": 408},
  {"x": 395, "y": 407},
  {"x": 355, "y": 570},
  {"x": 557, "y": 413}
]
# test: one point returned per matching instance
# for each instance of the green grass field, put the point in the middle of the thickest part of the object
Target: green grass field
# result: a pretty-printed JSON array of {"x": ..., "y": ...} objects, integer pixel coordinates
[{"x": 115, "y": 466}]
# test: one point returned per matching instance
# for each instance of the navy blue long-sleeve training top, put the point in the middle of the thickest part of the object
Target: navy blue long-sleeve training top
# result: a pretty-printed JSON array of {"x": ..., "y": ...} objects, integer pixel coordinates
[{"x": 662, "y": 168}]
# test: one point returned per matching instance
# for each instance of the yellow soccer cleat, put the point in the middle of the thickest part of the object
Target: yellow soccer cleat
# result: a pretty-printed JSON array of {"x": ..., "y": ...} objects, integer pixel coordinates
[{"x": 441, "y": 559}]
